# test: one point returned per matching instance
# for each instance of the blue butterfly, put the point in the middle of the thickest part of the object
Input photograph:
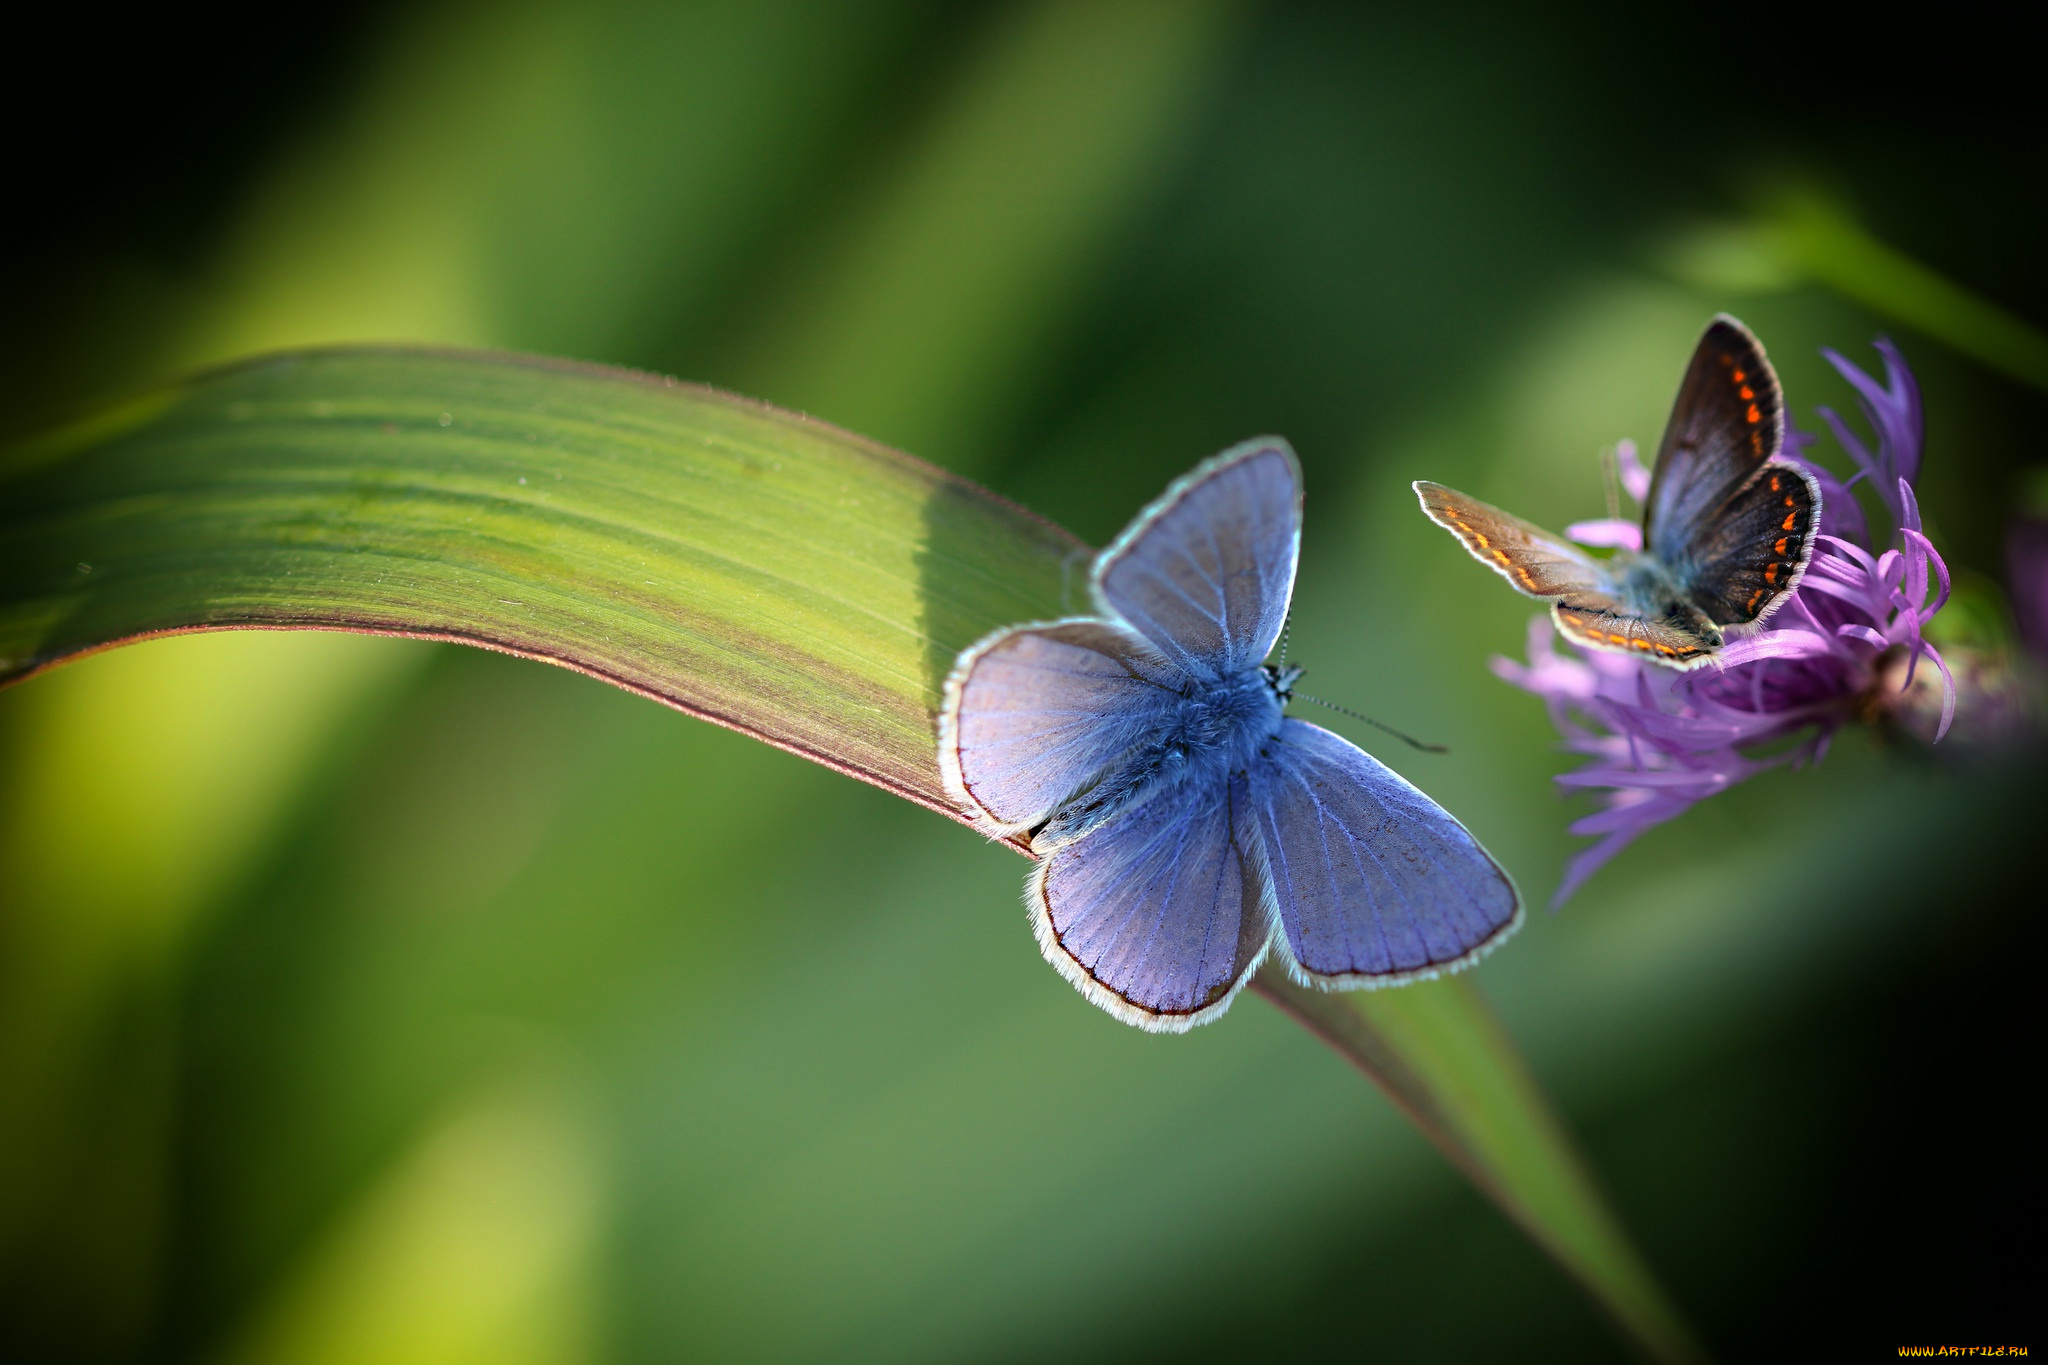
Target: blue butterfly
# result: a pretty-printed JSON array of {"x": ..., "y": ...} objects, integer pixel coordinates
[
  {"x": 1184, "y": 826},
  {"x": 1728, "y": 527}
]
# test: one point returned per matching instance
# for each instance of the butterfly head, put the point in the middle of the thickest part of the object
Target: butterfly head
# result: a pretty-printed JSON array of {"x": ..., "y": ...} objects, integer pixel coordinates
[{"x": 1281, "y": 679}]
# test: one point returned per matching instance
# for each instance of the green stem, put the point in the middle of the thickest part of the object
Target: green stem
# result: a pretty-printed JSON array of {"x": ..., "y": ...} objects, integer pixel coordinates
[{"x": 1814, "y": 235}]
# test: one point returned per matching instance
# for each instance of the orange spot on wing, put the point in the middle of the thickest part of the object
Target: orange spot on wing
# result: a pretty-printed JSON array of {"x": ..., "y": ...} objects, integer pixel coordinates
[
  {"x": 1779, "y": 548},
  {"x": 1666, "y": 649},
  {"x": 1771, "y": 574},
  {"x": 1747, "y": 393},
  {"x": 1790, "y": 517},
  {"x": 1739, "y": 375},
  {"x": 1754, "y": 415},
  {"x": 1775, "y": 485},
  {"x": 1752, "y": 599}
]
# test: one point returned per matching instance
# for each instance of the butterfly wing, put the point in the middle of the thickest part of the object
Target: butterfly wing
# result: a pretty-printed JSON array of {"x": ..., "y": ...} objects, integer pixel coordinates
[
  {"x": 1035, "y": 715},
  {"x": 1588, "y": 605},
  {"x": 1374, "y": 882},
  {"x": 1533, "y": 561},
  {"x": 1734, "y": 523},
  {"x": 1753, "y": 552},
  {"x": 1675, "y": 635},
  {"x": 1158, "y": 915},
  {"x": 1206, "y": 572},
  {"x": 1727, "y": 422}
]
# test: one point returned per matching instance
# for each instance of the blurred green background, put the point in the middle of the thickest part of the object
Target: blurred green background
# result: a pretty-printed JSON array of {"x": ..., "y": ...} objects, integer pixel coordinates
[{"x": 363, "y": 999}]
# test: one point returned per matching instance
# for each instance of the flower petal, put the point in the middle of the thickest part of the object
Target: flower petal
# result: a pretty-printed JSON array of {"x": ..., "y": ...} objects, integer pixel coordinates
[
  {"x": 1774, "y": 644},
  {"x": 1852, "y": 551},
  {"x": 1866, "y": 463},
  {"x": 1607, "y": 532},
  {"x": 1909, "y": 507},
  {"x": 1940, "y": 567},
  {"x": 1634, "y": 477}
]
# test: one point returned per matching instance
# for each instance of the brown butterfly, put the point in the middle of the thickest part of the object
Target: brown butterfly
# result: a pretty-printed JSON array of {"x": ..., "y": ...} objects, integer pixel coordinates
[{"x": 1727, "y": 528}]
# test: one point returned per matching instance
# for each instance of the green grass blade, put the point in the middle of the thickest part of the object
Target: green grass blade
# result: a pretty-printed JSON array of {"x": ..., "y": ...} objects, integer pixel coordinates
[
  {"x": 1813, "y": 234},
  {"x": 743, "y": 564},
  {"x": 746, "y": 565},
  {"x": 1442, "y": 1056}
]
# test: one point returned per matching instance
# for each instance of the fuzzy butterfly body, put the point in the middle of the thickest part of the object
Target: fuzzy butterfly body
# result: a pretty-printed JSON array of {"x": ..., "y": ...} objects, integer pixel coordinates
[
  {"x": 1184, "y": 825},
  {"x": 1728, "y": 527}
]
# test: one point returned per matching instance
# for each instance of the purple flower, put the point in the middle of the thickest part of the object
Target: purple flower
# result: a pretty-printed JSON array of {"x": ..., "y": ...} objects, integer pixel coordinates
[
  {"x": 1849, "y": 645},
  {"x": 1893, "y": 411}
]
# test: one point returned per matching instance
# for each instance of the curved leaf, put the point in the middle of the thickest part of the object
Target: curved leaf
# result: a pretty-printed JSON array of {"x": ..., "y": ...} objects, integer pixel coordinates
[
  {"x": 747, "y": 565},
  {"x": 750, "y": 566},
  {"x": 1441, "y": 1055}
]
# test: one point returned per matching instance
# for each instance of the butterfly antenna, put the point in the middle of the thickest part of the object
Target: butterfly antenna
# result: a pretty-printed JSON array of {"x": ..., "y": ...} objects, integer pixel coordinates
[
  {"x": 1286, "y": 625},
  {"x": 1611, "y": 477},
  {"x": 1409, "y": 740}
]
